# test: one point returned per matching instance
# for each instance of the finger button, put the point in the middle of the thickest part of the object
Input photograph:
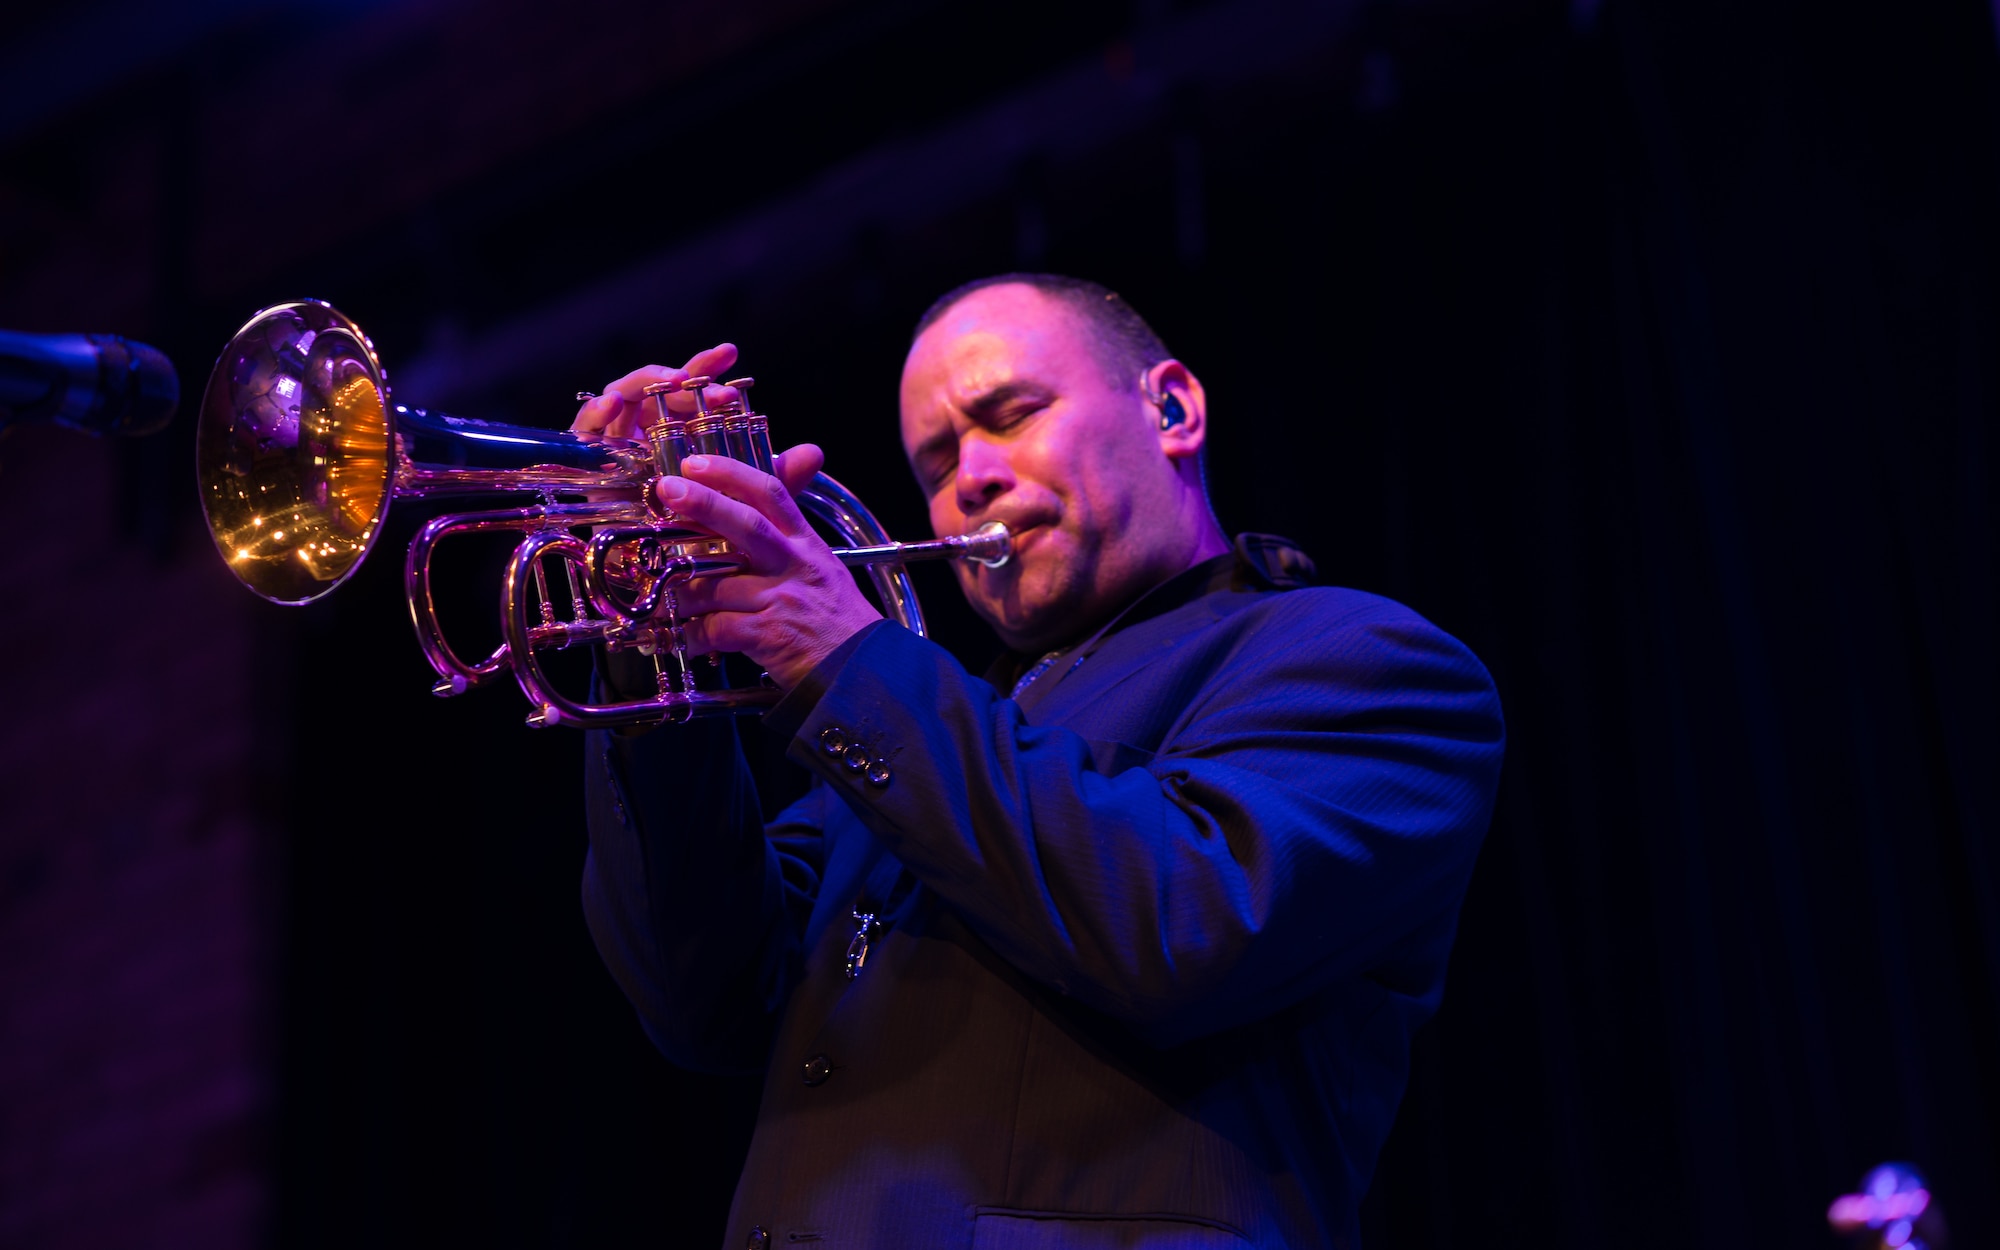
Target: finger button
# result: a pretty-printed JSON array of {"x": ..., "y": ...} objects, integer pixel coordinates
[
  {"x": 856, "y": 758},
  {"x": 833, "y": 740},
  {"x": 878, "y": 774}
]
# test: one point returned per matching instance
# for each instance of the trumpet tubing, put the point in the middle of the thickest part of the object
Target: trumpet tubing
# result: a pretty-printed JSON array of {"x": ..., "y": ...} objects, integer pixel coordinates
[{"x": 300, "y": 453}]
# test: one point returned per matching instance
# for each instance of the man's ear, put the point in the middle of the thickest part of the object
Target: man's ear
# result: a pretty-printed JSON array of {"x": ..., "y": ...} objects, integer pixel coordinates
[{"x": 1179, "y": 408}]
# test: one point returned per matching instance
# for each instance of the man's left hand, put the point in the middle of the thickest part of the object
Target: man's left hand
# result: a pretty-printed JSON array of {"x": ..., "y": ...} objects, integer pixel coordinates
[{"x": 793, "y": 603}]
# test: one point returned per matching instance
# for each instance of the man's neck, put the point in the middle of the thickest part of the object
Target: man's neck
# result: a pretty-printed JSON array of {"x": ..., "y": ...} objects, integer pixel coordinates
[{"x": 1209, "y": 544}]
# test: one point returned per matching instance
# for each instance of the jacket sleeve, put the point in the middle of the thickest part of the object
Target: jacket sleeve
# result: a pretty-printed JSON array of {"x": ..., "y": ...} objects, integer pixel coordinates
[
  {"x": 1319, "y": 799},
  {"x": 696, "y": 911}
]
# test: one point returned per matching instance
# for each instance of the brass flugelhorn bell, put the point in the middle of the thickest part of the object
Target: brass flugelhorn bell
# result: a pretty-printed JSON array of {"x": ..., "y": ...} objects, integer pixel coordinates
[{"x": 300, "y": 452}]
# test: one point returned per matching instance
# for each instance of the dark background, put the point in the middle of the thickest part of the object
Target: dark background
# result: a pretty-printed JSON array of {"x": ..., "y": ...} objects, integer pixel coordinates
[{"x": 1646, "y": 346}]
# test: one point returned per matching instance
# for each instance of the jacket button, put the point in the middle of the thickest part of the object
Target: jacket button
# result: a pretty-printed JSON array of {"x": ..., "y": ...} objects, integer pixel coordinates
[
  {"x": 818, "y": 1068},
  {"x": 878, "y": 774},
  {"x": 758, "y": 1239},
  {"x": 833, "y": 740},
  {"x": 856, "y": 758}
]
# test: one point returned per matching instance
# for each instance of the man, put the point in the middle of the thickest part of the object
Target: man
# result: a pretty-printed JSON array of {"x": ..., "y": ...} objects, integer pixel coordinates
[{"x": 1122, "y": 948}]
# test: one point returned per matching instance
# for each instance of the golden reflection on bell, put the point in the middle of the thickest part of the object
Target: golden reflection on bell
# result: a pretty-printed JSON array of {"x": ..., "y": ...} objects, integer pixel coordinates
[{"x": 296, "y": 416}]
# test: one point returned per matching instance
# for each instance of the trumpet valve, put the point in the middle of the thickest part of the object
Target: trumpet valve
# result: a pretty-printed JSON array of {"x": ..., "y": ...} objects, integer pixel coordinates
[
  {"x": 667, "y": 435},
  {"x": 756, "y": 429},
  {"x": 698, "y": 387},
  {"x": 736, "y": 432},
  {"x": 708, "y": 434}
]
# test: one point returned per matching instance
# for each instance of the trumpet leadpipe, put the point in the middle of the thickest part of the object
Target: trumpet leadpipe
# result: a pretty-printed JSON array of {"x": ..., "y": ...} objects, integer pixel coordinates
[{"x": 990, "y": 544}]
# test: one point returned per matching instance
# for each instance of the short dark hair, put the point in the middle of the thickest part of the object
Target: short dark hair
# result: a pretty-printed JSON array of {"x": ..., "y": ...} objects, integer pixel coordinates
[{"x": 1125, "y": 346}]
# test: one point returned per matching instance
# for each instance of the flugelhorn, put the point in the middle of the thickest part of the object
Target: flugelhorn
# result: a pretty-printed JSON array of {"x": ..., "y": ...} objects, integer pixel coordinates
[{"x": 300, "y": 452}]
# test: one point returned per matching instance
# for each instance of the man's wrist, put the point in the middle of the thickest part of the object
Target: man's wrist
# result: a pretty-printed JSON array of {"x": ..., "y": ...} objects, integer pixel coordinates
[{"x": 790, "y": 712}]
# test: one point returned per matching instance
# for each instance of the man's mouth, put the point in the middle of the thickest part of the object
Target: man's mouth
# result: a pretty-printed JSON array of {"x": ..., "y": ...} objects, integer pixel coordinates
[
  {"x": 1020, "y": 527},
  {"x": 1022, "y": 536}
]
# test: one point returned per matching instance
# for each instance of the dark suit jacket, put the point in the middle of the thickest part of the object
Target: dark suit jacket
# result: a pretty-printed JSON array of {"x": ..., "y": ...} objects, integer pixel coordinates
[{"x": 1153, "y": 937}]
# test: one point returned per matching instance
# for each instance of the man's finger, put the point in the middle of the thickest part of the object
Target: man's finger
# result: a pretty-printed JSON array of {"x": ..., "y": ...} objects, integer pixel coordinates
[
  {"x": 596, "y": 414},
  {"x": 630, "y": 420},
  {"x": 720, "y": 631},
  {"x": 767, "y": 494},
  {"x": 714, "y": 362},
  {"x": 746, "y": 528},
  {"x": 797, "y": 465},
  {"x": 718, "y": 592},
  {"x": 632, "y": 387},
  {"x": 622, "y": 410}
]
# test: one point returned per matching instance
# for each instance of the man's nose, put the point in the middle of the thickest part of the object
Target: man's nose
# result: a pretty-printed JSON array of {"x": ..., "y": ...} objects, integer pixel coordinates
[{"x": 983, "y": 474}]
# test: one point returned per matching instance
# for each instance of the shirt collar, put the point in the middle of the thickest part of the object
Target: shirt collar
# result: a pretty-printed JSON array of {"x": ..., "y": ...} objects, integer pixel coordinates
[{"x": 1254, "y": 562}]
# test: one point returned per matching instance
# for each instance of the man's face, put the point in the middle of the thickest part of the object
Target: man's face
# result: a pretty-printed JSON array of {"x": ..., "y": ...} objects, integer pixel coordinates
[{"x": 1007, "y": 415}]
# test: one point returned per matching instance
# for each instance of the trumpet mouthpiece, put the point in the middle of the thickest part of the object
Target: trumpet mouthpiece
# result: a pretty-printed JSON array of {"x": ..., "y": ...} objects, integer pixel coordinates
[{"x": 990, "y": 544}]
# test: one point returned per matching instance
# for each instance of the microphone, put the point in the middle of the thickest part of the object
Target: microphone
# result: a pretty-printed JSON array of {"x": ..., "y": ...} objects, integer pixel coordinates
[{"x": 97, "y": 383}]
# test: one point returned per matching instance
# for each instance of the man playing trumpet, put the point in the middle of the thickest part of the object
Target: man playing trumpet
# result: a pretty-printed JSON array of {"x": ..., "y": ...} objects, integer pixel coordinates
[{"x": 1119, "y": 945}]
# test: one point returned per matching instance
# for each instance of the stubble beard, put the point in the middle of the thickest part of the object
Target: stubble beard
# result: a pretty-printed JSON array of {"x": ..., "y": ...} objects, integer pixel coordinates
[{"x": 1039, "y": 606}]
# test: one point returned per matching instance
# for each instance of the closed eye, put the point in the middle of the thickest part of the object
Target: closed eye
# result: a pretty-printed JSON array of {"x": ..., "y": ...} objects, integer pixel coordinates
[
  {"x": 935, "y": 468},
  {"x": 1015, "y": 415},
  {"x": 935, "y": 471},
  {"x": 1001, "y": 411}
]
